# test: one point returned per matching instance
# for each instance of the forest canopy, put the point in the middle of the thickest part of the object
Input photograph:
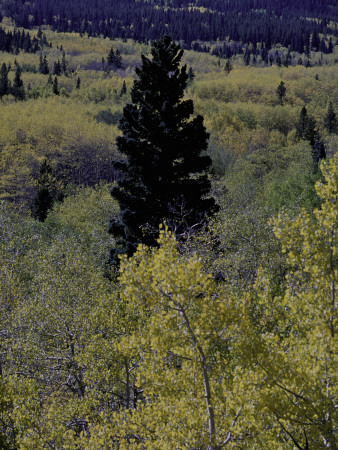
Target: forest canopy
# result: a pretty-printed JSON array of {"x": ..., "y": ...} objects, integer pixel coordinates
[{"x": 220, "y": 336}]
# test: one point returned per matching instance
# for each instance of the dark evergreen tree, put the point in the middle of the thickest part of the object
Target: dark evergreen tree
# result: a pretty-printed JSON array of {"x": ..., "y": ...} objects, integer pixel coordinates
[
  {"x": 228, "y": 66},
  {"x": 191, "y": 74},
  {"x": 278, "y": 60},
  {"x": 78, "y": 83},
  {"x": 318, "y": 152},
  {"x": 57, "y": 68},
  {"x": 4, "y": 82},
  {"x": 111, "y": 56},
  {"x": 302, "y": 122},
  {"x": 47, "y": 192},
  {"x": 114, "y": 59},
  {"x": 310, "y": 131},
  {"x": 64, "y": 63},
  {"x": 281, "y": 91},
  {"x": 118, "y": 60},
  {"x": 246, "y": 57},
  {"x": 164, "y": 173},
  {"x": 330, "y": 120},
  {"x": 315, "y": 42},
  {"x": 306, "y": 127},
  {"x": 123, "y": 89},
  {"x": 56, "y": 90},
  {"x": 43, "y": 65},
  {"x": 322, "y": 46},
  {"x": 286, "y": 61},
  {"x": 18, "y": 89}
]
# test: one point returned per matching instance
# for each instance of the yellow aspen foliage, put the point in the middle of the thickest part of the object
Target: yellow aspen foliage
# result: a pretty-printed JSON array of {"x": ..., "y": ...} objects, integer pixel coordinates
[
  {"x": 215, "y": 370},
  {"x": 293, "y": 375},
  {"x": 183, "y": 353}
]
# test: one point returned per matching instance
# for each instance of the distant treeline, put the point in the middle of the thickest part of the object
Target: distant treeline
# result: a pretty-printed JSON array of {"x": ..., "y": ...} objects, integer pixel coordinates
[
  {"x": 271, "y": 22},
  {"x": 13, "y": 42}
]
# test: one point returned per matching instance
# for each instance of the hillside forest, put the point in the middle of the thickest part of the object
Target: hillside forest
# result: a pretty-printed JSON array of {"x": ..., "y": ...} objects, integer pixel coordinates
[{"x": 221, "y": 336}]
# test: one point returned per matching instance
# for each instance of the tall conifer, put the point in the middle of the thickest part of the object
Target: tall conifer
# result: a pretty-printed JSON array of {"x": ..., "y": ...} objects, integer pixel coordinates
[{"x": 164, "y": 171}]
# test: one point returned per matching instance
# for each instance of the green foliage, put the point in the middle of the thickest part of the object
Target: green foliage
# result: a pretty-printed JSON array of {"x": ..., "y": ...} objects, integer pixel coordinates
[
  {"x": 86, "y": 211},
  {"x": 87, "y": 363},
  {"x": 108, "y": 117},
  {"x": 298, "y": 359}
]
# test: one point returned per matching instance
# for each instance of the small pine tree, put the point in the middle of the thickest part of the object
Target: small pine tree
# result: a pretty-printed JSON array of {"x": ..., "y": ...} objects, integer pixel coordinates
[
  {"x": 322, "y": 46},
  {"x": 286, "y": 61},
  {"x": 191, "y": 74},
  {"x": 18, "y": 89},
  {"x": 310, "y": 131},
  {"x": 318, "y": 152},
  {"x": 4, "y": 82},
  {"x": 281, "y": 91},
  {"x": 47, "y": 192},
  {"x": 330, "y": 120},
  {"x": 246, "y": 57},
  {"x": 228, "y": 66},
  {"x": 56, "y": 90},
  {"x": 78, "y": 83},
  {"x": 64, "y": 63},
  {"x": 123, "y": 89},
  {"x": 164, "y": 173},
  {"x": 306, "y": 127},
  {"x": 278, "y": 60},
  {"x": 118, "y": 60},
  {"x": 57, "y": 68},
  {"x": 111, "y": 57},
  {"x": 315, "y": 42},
  {"x": 43, "y": 65}
]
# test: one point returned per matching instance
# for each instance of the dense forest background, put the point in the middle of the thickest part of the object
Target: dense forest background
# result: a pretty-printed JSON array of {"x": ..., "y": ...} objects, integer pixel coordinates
[
  {"x": 294, "y": 24},
  {"x": 89, "y": 360}
]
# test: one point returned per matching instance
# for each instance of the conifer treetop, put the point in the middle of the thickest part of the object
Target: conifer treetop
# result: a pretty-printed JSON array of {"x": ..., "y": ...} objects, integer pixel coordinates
[{"x": 164, "y": 171}]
